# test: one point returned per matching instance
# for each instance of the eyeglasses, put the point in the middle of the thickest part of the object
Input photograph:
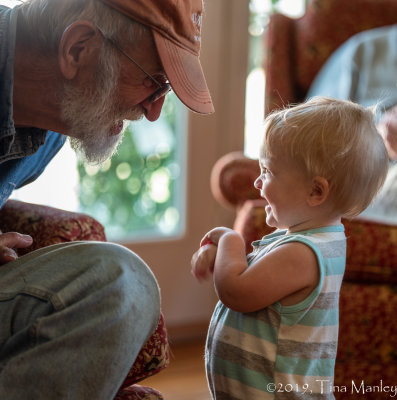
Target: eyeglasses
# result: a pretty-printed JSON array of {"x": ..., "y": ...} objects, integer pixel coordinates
[{"x": 163, "y": 88}]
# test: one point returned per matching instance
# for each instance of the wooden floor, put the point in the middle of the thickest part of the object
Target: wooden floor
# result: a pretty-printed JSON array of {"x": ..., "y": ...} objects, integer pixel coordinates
[{"x": 184, "y": 378}]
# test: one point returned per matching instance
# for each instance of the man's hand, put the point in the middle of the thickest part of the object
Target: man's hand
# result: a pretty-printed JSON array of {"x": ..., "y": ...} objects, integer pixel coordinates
[{"x": 10, "y": 241}]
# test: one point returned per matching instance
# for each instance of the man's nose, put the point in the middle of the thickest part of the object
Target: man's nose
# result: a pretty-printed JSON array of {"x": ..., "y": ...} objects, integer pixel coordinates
[{"x": 153, "y": 110}]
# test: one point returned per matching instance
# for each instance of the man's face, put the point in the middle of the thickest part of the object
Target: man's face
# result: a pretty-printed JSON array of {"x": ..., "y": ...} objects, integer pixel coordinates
[
  {"x": 92, "y": 112},
  {"x": 95, "y": 113}
]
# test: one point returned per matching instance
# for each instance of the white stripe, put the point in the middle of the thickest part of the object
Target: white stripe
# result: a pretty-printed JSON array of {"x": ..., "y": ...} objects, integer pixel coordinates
[
  {"x": 332, "y": 283},
  {"x": 307, "y": 384},
  {"x": 252, "y": 344},
  {"x": 239, "y": 390},
  {"x": 327, "y": 237},
  {"x": 310, "y": 334}
]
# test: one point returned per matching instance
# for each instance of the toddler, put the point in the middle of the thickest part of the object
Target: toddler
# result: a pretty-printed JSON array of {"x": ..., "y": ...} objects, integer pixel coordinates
[{"x": 274, "y": 331}]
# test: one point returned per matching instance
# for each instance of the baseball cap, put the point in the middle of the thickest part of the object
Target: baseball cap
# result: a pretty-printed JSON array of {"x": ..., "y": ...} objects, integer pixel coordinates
[{"x": 176, "y": 27}]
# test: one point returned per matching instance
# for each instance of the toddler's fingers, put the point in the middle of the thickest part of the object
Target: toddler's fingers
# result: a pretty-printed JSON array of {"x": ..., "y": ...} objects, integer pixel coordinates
[
  {"x": 206, "y": 240},
  {"x": 202, "y": 263}
]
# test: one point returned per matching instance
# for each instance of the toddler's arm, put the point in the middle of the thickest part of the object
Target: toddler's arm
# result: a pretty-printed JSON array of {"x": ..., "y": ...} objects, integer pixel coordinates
[{"x": 288, "y": 273}]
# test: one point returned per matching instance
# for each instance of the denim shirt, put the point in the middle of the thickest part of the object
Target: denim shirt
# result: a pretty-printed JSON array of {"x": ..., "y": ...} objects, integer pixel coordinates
[{"x": 24, "y": 152}]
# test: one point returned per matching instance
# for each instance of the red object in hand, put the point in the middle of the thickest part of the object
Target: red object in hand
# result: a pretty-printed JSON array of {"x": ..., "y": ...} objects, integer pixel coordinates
[{"x": 205, "y": 241}]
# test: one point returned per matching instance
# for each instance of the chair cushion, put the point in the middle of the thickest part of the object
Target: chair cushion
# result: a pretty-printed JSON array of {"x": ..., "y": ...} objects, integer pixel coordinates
[
  {"x": 138, "y": 392},
  {"x": 371, "y": 252},
  {"x": 367, "y": 315}
]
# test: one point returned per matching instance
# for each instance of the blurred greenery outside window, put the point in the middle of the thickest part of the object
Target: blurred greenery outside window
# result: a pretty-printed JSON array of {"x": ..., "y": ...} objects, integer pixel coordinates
[{"x": 138, "y": 193}]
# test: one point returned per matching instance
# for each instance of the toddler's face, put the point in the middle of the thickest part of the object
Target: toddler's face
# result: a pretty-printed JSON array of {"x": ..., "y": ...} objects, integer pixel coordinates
[{"x": 285, "y": 188}]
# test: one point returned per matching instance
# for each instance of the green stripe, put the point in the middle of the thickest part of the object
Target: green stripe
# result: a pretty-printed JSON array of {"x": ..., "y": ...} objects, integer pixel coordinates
[
  {"x": 252, "y": 326},
  {"x": 247, "y": 377},
  {"x": 305, "y": 367}
]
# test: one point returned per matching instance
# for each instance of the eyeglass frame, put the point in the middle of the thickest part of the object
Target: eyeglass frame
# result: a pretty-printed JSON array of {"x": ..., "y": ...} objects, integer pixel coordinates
[{"x": 163, "y": 88}]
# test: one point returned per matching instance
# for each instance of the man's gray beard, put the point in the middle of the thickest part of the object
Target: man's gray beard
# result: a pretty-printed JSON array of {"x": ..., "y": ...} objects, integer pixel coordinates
[{"x": 92, "y": 111}]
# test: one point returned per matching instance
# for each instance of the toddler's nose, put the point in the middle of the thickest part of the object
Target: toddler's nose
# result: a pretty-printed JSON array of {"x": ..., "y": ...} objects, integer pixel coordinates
[{"x": 258, "y": 183}]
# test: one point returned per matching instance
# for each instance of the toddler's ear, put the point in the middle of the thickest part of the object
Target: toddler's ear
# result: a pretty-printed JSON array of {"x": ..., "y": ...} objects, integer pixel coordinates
[{"x": 319, "y": 191}]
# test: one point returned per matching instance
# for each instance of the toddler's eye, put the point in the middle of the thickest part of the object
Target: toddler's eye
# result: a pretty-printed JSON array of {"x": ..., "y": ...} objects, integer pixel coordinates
[{"x": 265, "y": 171}]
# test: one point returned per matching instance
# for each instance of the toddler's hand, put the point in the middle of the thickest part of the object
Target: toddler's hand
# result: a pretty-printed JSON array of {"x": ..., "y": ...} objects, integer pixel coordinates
[
  {"x": 203, "y": 261},
  {"x": 214, "y": 235}
]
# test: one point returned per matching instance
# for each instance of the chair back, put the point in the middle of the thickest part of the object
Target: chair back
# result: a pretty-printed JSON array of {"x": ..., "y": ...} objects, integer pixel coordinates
[{"x": 296, "y": 49}]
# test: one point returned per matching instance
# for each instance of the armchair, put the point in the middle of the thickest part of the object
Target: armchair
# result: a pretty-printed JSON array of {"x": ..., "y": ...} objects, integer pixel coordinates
[
  {"x": 49, "y": 226},
  {"x": 295, "y": 50}
]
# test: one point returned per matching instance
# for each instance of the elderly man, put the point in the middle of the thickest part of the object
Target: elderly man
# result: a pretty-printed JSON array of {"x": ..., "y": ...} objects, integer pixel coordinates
[{"x": 74, "y": 316}]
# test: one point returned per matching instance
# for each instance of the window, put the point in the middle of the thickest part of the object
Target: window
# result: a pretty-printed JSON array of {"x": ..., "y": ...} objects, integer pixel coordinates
[{"x": 138, "y": 193}]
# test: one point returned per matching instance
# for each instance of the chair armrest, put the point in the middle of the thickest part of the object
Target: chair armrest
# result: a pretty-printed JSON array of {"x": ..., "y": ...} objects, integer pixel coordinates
[
  {"x": 48, "y": 225},
  {"x": 232, "y": 180}
]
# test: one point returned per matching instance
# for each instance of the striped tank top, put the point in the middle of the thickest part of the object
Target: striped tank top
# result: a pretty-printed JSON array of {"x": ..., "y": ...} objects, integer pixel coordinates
[{"x": 281, "y": 352}]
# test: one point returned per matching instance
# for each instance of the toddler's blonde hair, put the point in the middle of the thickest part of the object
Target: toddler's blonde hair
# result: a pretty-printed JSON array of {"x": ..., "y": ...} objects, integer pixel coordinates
[{"x": 334, "y": 139}]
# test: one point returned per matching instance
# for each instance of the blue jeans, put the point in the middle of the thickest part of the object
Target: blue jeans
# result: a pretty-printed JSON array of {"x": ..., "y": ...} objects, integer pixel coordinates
[{"x": 73, "y": 319}]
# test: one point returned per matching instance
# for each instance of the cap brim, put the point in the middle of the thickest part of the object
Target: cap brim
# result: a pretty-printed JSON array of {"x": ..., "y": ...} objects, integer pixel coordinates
[{"x": 184, "y": 72}]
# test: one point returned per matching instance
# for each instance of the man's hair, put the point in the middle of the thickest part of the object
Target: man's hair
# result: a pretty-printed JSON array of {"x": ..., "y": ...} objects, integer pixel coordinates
[
  {"x": 334, "y": 139},
  {"x": 44, "y": 21}
]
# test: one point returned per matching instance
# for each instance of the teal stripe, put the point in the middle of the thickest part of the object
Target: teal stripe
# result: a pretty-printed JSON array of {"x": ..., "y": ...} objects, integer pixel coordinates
[
  {"x": 324, "y": 229},
  {"x": 305, "y": 367},
  {"x": 237, "y": 372},
  {"x": 252, "y": 326},
  {"x": 335, "y": 266},
  {"x": 314, "y": 317}
]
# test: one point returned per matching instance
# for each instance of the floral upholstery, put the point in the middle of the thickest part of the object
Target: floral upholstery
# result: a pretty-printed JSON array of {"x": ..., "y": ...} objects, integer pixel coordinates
[
  {"x": 49, "y": 226},
  {"x": 153, "y": 357},
  {"x": 367, "y": 347},
  {"x": 137, "y": 392}
]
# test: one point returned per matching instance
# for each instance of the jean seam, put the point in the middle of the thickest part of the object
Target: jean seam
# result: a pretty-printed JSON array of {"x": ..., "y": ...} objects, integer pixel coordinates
[{"x": 39, "y": 293}]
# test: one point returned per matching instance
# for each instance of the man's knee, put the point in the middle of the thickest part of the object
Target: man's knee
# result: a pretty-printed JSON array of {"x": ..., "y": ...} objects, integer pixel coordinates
[
  {"x": 135, "y": 279},
  {"x": 125, "y": 277},
  {"x": 103, "y": 276}
]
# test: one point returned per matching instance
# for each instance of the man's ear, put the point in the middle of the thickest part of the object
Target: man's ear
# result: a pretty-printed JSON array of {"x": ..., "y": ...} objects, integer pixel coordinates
[
  {"x": 319, "y": 191},
  {"x": 77, "y": 46}
]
